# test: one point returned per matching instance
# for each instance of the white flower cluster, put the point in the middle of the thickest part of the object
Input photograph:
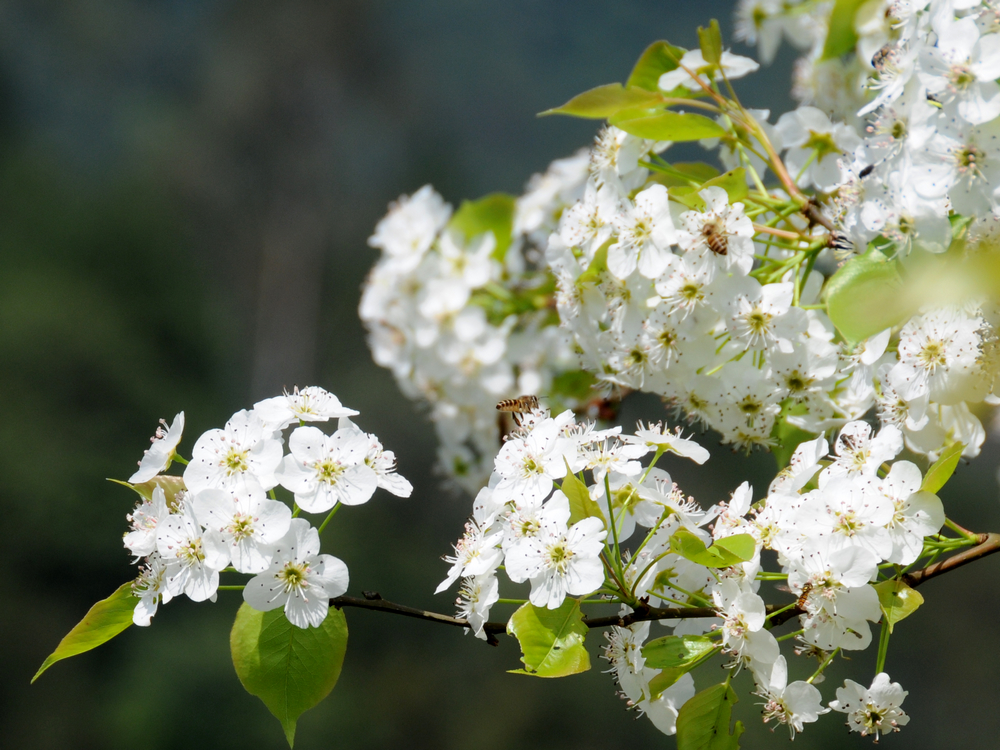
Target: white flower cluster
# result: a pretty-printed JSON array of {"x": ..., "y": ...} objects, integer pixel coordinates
[
  {"x": 929, "y": 161},
  {"x": 462, "y": 324},
  {"x": 659, "y": 297},
  {"x": 830, "y": 541},
  {"x": 222, "y": 512}
]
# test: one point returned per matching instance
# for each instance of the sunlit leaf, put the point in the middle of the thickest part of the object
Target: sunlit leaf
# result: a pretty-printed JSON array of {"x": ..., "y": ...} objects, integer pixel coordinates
[
  {"x": 703, "y": 722},
  {"x": 941, "y": 470},
  {"x": 551, "y": 639},
  {"x": 103, "y": 621},
  {"x": 604, "y": 101},
  {"x": 710, "y": 40},
  {"x": 897, "y": 600},
  {"x": 864, "y": 297},
  {"x": 734, "y": 182},
  {"x": 658, "y": 58},
  {"x": 291, "y": 669},
  {"x": 737, "y": 548},
  {"x": 491, "y": 213},
  {"x": 678, "y": 651},
  {"x": 581, "y": 505},
  {"x": 671, "y": 126},
  {"x": 841, "y": 35}
]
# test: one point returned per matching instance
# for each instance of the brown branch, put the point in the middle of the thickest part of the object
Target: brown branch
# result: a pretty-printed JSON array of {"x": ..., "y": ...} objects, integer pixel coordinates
[{"x": 988, "y": 544}]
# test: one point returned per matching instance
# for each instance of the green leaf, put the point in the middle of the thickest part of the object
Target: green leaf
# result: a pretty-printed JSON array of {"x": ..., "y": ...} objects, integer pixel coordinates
[
  {"x": 863, "y": 297},
  {"x": 897, "y": 600},
  {"x": 735, "y": 549},
  {"x": 103, "y": 621},
  {"x": 942, "y": 469},
  {"x": 687, "y": 195},
  {"x": 742, "y": 546},
  {"x": 581, "y": 505},
  {"x": 674, "y": 651},
  {"x": 291, "y": 669},
  {"x": 605, "y": 101},
  {"x": 788, "y": 436},
  {"x": 665, "y": 679},
  {"x": 734, "y": 182},
  {"x": 671, "y": 126},
  {"x": 684, "y": 174},
  {"x": 598, "y": 265},
  {"x": 658, "y": 58},
  {"x": 551, "y": 639},
  {"x": 703, "y": 722},
  {"x": 491, "y": 213},
  {"x": 841, "y": 36},
  {"x": 710, "y": 40}
]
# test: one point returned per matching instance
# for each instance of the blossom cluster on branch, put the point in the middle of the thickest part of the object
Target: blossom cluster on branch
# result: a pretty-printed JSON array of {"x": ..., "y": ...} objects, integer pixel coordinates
[{"x": 825, "y": 289}]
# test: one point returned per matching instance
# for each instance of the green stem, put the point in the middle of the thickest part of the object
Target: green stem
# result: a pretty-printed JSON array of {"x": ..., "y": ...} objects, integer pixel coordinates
[
  {"x": 328, "y": 517},
  {"x": 823, "y": 666},
  {"x": 179, "y": 459},
  {"x": 232, "y": 588},
  {"x": 883, "y": 646},
  {"x": 790, "y": 635}
]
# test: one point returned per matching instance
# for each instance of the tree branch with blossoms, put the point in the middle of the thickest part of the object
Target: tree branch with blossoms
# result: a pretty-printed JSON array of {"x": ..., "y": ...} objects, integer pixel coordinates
[{"x": 837, "y": 317}]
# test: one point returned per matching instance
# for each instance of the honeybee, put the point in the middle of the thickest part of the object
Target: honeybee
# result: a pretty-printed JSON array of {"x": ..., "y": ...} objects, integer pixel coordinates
[
  {"x": 518, "y": 406},
  {"x": 715, "y": 238}
]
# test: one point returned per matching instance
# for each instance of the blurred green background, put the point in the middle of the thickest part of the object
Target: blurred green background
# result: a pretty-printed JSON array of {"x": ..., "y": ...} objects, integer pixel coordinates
[{"x": 185, "y": 193}]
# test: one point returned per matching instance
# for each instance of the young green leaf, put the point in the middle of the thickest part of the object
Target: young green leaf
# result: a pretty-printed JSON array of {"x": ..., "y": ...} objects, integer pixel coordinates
[
  {"x": 710, "y": 40},
  {"x": 291, "y": 669},
  {"x": 677, "y": 651},
  {"x": 581, "y": 505},
  {"x": 942, "y": 469},
  {"x": 734, "y": 182},
  {"x": 863, "y": 297},
  {"x": 897, "y": 600},
  {"x": 604, "y": 101},
  {"x": 671, "y": 126},
  {"x": 658, "y": 58},
  {"x": 841, "y": 35},
  {"x": 703, "y": 722},
  {"x": 103, "y": 621},
  {"x": 665, "y": 679},
  {"x": 551, "y": 639},
  {"x": 491, "y": 213},
  {"x": 736, "y": 549}
]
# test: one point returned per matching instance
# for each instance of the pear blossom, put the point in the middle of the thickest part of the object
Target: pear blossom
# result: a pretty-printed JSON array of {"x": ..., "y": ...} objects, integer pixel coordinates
[
  {"x": 141, "y": 540},
  {"x": 325, "y": 470},
  {"x": 411, "y": 226},
  {"x": 241, "y": 457},
  {"x": 150, "y": 588},
  {"x": 660, "y": 437},
  {"x": 249, "y": 524},
  {"x": 814, "y": 146},
  {"x": 874, "y": 710},
  {"x": 718, "y": 238},
  {"x": 311, "y": 404},
  {"x": 193, "y": 557},
  {"x": 794, "y": 705},
  {"x": 157, "y": 457},
  {"x": 645, "y": 234},
  {"x": 731, "y": 66},
  {"x": 478, "y": 594},
  {"x": 299, "y": 578}
]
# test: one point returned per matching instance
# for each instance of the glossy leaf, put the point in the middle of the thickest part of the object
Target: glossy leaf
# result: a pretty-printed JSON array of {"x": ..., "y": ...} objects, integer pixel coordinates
[
  {"x": 864, "y": 297},
  {"x": 897, "y": 600},
  {"x": 291, "y": 669},
  {"x": 581, "y": 505},
  {"x": 551, "y": 639},
  {"x": 710, "y": 40},
  {"x": 491, "y": 213},
  {"x": 719, "y": 555},
  {"x": 703, "y": 722},
  {"x": 841, "y": 35},
  {"x": 673, "y": 651},
  {"x": 671, "y": 126},
  {"x": 664, "y": 680},
  {"x": 734, "y": 182},
  {"x": 103, "y": 621},
  {"x": 604, "y": 101},
  {"x": 658, "y": 58},
  {"x": 686, "y": 174},
  {"x": 942, "y": 469}
]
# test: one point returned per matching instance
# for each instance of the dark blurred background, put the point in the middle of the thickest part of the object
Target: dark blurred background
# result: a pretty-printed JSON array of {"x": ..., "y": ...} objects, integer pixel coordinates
[{"x": 185, "y": 193}]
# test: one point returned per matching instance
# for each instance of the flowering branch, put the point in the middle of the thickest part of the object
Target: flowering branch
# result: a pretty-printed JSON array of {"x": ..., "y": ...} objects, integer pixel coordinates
[{"x": 988, "y": 544}]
